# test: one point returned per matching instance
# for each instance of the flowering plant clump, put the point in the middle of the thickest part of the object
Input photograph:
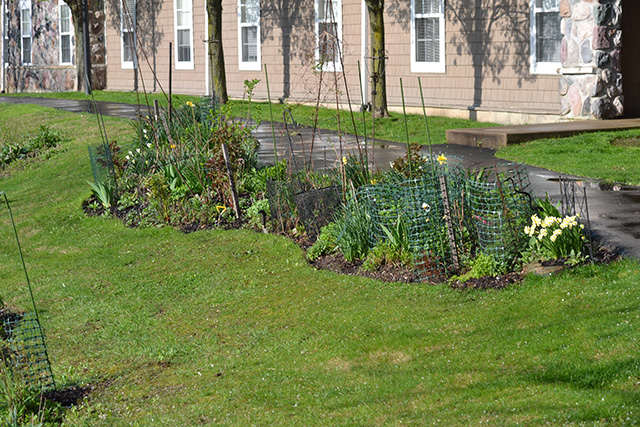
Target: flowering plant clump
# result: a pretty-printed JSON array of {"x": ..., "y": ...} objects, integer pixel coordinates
[{"x": 554, "y": 237}]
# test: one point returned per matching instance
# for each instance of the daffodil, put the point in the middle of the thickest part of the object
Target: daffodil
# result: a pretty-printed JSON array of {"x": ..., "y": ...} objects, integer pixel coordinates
[
  {"x": 442, "y": 159},
  {"x": 190, "y": 104},
  {"x": 344, "y": 160}
]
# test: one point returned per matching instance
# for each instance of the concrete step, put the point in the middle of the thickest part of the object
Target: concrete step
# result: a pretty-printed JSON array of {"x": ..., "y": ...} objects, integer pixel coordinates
[{"x": 501, "y": 136}]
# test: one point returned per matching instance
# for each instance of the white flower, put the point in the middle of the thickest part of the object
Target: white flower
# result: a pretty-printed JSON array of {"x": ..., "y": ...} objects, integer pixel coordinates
[
  {"x": 555, "y": 235},
  {"x": 425, "y": 206},
  {"x": 543, "y": 233},
  {"x": 144, "y": 131},
  {"x": 535, "y": 219},
  {"x": 138, "y": 150},
  {"x": 126, "y": 157},
  {"x": 148, "y": 145}
]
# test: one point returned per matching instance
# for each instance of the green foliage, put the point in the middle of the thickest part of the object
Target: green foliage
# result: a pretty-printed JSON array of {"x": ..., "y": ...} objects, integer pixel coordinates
[
  {"x": 21, "y": 405},
  {"x": 355, "y": 230},
  {"x": 46, "y": 138},
  {"x": 397, "y": 235},
  {"x": 552, "y": 236},
  {"x": 104, "y": 193},
  {"x": 385, "y": 253},
  {"x": 255, "y": 211},
  {"x": 482, "y": 265},
  {"x": 326, "y": 243},
  {"x": 356, "y": 171}
]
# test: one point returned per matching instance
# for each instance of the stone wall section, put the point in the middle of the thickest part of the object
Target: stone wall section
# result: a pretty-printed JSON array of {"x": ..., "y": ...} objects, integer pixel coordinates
[
  {"x": 44, "y": 74},
  {"x": 591, "y": 82}
]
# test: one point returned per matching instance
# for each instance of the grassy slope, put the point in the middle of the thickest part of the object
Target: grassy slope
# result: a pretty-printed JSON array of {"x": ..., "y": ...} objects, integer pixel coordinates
[
  {"x": 234, "y": 328},
  {"x": 591, "y": 155}
]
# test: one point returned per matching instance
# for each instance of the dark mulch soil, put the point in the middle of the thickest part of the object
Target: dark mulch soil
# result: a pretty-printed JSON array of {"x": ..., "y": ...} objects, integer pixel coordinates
[
  {"x": 70, "y": 396},
  {"x": 386, "y": 273}
]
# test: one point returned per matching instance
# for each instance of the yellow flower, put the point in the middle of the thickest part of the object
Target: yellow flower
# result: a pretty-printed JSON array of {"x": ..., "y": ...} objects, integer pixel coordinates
[
  {"x": 190, "y": 104},
  {"x": 555, "y": 234},
  {"x": 442, "y": 159},
  {"x": 344, "y": 160},
  {"x": 172, "y": 146}
]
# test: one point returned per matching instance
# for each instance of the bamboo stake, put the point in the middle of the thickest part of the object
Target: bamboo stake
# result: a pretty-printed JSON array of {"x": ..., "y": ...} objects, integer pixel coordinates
[
  {"x": 273, "y": 132},
  {"x": 232, "y": 183}
]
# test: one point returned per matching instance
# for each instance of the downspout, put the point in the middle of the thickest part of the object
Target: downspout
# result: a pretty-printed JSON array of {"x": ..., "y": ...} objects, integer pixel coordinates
[{"x": 364, "y": 47}]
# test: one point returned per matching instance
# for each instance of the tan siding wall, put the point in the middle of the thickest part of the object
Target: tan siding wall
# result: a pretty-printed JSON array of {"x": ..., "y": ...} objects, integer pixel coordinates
[
  {"x": 154, "y": 37},
  {"x": 485, "y": 70}
]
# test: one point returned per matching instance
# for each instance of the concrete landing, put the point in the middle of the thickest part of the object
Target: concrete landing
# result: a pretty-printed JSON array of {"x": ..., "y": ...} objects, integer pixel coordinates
[{"x": 497, "y": 137}]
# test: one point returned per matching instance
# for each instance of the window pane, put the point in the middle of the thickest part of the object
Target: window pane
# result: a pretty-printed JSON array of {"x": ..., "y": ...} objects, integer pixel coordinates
[
  {"x": 249, "y": 44},
  {"x": 322, "y": 9},
  {"x": 127, "y": 45},
  {"x": 25, "y": 22},
  {"x": 184, "y": 45},
  {"x": 427, "y": 40},
  {"x": 65, "y": 45},
  {"x": 128, "y": 15},
  {"x": 249, "y": 11},
  {"x": 548, "y": 36},
  {"x": 26, "y": 50},
  {"x": 328, "y": 38},
  {"x": 64, "y": 19},
  {"x": 548, "y": 4},
  {"x": 427, "y": 6}
]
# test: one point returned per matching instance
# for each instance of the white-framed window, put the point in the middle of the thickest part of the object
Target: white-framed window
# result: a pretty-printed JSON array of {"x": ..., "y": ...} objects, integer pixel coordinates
[
  {"x": 249, "y": 34},
  {"x": 183, "y": 20},
  {"x": 25, "y": 31},
  {"x": 127, "y": 31},
  {"x": 546, "y": 38},
  {"x": 427, "y": 36},
  {"x": 66, "y": 31},
  {"x": 328, "y": 29}
]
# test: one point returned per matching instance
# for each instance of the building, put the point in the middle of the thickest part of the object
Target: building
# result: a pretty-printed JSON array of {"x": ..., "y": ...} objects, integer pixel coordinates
[{"x": 509, "y": 61}]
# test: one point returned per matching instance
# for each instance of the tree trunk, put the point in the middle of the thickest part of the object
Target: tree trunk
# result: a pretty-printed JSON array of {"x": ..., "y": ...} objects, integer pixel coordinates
[
  {"x": 217, "y": 76},
  {"x": 76, "y": 17},
  {"x": 378, "y": 51}
]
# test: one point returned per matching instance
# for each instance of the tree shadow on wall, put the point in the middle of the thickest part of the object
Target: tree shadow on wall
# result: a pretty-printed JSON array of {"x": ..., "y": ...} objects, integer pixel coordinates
[
  {"x": 493, "y": 33},
  {"x": 149, "y": 34},
  {"x": 293, "y": 22}
]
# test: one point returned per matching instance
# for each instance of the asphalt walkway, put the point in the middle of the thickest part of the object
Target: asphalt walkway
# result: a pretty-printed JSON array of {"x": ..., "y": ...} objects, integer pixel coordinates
[{"x": 614, "y": 210}]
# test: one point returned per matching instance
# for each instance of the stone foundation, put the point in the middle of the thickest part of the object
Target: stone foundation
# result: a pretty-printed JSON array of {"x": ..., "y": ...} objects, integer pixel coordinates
[{"x": 591, "y": 82}]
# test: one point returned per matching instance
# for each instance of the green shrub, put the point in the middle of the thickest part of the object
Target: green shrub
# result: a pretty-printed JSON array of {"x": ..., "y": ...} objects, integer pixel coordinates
[
  {"x": 481, "y": 266},
  {"x": 326, "y": 243}
]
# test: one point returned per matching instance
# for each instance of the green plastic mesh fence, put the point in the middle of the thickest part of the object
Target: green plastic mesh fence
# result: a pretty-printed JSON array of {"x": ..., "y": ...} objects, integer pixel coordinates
[
  {"x": 28, "y": 351},
  {"x": 102, "y": 164}
]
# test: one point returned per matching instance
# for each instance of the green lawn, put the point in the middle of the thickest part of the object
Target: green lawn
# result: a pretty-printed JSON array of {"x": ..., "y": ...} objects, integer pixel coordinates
[
  {"x": 390, "y": 129},
  {"x": 235, "y": 328},
  {"x": 593, "y": 155}
]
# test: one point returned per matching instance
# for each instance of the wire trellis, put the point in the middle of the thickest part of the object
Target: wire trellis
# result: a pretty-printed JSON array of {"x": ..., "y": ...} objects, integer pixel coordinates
[
  {"x": 28, "y": 357},
  {"x": 573, "y": 201}
]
